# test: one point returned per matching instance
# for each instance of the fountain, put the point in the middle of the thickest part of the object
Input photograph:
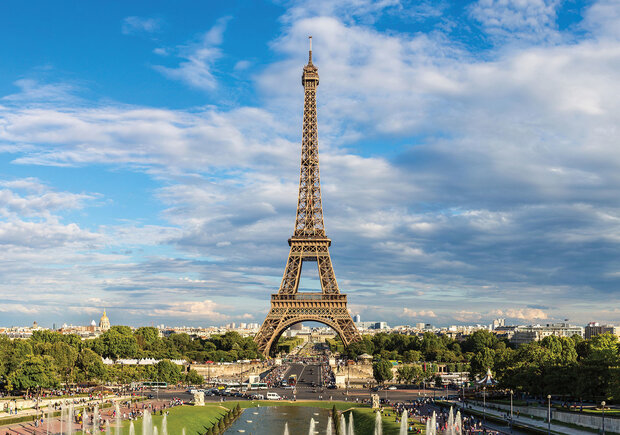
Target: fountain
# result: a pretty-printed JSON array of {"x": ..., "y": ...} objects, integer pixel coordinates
[
  {"x": 450, "y": 425},
  {"x": 459, "y": 423},
  {"x": 155, "y": 431},
  {"x": 132, "y": 429},
  {"x": 404, "y": 427},
  {"x": 117, "y": 419},
  {"x": 286, "y": 428},
  {"x": 351, "y": 426},
  {"x": 431, "y": 425},
  {"x": 147, "y": 423},
  {"x": 96, "y": 419},
  {"x": 312, "y": 429},
  {"x": 183, "y": 431},
  {"x": 70, "y": 418},
  {"x": 49, "y": 417},
  {"x": 164, "y": 425},
  {"x": 378, "y": 424},
  {"x": 62, "y": 417},
  {"x": 343, "y": 426},
  {"x": 328, "y": 431}
]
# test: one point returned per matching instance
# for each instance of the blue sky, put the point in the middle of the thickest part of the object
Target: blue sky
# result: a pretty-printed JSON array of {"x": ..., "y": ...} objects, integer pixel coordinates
[{"x": 149, "y": 157}]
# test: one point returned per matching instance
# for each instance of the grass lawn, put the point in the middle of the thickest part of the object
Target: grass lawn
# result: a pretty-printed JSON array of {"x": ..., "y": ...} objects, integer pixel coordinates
[{"x": 195, "y": 420}]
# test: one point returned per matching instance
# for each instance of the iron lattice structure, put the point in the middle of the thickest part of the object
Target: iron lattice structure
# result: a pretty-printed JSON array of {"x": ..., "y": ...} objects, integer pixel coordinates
[{"x": 309, "y": 243}]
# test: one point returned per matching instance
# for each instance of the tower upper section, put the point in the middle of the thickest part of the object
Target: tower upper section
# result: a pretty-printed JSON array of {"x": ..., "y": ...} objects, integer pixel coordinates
[
  {"x": 310, "y": 74},
  {"x": 309, "y": 221}
]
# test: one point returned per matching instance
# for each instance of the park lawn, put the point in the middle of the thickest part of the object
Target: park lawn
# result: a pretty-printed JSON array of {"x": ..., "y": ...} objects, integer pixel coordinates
[{"x": 195, "y": 420}]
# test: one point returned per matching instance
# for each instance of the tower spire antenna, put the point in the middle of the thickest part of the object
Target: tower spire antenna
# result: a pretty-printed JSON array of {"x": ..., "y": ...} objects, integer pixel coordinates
[{"x": 310, "y": 52}]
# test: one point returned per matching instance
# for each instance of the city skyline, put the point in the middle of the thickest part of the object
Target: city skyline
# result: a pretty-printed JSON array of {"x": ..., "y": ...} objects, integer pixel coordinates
[{"x": 149, "y": 159}]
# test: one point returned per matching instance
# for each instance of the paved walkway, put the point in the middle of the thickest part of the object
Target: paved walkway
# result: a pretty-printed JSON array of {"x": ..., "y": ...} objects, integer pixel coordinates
[{"x": 529, "y": 422}]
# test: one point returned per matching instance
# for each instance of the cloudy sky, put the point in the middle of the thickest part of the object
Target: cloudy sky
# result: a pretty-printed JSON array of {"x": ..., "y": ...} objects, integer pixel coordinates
[{"x": 149, "y": 158}]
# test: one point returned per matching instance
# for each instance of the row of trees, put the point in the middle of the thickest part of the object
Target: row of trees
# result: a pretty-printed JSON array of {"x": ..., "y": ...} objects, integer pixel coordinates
[
  {"x": 429, "y": 347},
  {"x": 48, "y": 358},
  {"x": 573, "y": 367}
]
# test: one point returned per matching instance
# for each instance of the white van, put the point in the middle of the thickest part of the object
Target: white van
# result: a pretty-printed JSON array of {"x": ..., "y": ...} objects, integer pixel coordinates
[{"x": 273, "y": 396}]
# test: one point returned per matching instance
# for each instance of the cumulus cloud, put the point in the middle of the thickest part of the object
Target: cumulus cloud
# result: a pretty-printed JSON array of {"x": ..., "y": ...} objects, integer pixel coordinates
[
  {"x": 522, "y": 313},
  {"x": 418, "y": 314},
  {"x": 207, "y": 309},
  {"x": 498, "y": 177}
]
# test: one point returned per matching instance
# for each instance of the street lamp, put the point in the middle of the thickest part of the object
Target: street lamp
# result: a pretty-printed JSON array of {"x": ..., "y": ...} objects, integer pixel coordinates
[
  {"x": 511, "y": 422},
  {"x": 484, "y": 404},
  {"x": 549, "y": 414},
  {"x": 603, "y": 410}
]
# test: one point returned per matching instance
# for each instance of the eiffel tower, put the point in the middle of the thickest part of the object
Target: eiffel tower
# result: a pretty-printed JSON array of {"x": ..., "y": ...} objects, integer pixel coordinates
[{"x": 309, "y": 243}]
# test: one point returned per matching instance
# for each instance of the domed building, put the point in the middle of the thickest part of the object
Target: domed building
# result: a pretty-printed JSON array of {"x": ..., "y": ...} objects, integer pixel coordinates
[{"x": 104, "y": 323}]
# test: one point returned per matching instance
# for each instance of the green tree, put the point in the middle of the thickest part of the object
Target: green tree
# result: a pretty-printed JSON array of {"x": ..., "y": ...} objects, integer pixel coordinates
[
  {"x": 412, "y": 356},
  {"x": 194, "y": 378},
  {"x": 64, "y": 357},
  {"x": 90, "y": 365},
  {"x": 35, "y": 371},
  {"x": 117, "y": 342},
  {"x": 405, "y": 373},
  {"x": 482, "y": 361},
  {"x": 167, "y": 371},
  {"x": 382, "y": 371}
]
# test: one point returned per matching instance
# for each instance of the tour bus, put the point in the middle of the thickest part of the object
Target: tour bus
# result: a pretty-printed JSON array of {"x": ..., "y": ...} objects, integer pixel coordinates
[
  {"x": 258, "y": 386},
  {"x": 154, "y": 385},
  {"x": 292, "y": 380}
]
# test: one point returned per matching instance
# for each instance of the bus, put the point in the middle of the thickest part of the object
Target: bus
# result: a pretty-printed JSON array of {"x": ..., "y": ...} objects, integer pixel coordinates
[
  {"x": 258, "y": 386},
  {"x": 292, "y": 380},
  {"x": 154, "y": 385}
]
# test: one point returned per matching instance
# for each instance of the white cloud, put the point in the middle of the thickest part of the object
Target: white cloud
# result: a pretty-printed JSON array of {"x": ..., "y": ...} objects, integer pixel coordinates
[
  {"x": 532, "y": 20},
  {"x": 196, "y": 68},
  {"x": 521, "y": 141},
  {"x": 419, "y": 314},
  {"x": 207, "y": 310},
  {"x": 522, "y": 313},
  {"x": 33, "y": 91},
  {"x": 140, "y": 25},
  {"x": 602, "y": 18},
  {"x": 467, "y": 316}
]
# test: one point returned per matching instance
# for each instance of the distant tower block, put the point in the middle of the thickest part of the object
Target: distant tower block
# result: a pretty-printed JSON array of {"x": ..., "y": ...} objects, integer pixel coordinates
[{"x": 309, "y": 243}]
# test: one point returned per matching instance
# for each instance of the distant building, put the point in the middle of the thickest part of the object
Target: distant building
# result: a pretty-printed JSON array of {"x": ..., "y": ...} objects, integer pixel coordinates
[
  {"x": 104, "y": 323},
  {"x": 498, "y": 323},
  {"x": 593, "y": 329},
  {"x": 527, "y": 334},
  {"x": 372, "y": 325},
  {"x": 357, "y": 318}
]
